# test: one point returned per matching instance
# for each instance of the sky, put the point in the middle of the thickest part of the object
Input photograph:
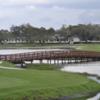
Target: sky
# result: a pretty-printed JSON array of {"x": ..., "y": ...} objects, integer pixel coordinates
[{"x": 49, "y": 13}]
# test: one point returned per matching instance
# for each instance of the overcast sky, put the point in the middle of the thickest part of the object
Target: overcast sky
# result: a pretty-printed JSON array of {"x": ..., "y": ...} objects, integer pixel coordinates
[{"x": 48, "y": 13}]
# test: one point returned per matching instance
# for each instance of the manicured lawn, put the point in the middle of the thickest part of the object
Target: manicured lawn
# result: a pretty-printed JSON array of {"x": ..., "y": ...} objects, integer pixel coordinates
[
  {"x": 92, "y": 47},
  {"x": 42, "y": 84},
  {"x": 88, "y": 47},
  {"x": 42, "y": 66},
  {"x": 6, "y": 64},
  {"x": 32, "y": 45},
  {"x": 15, "y": 45}
]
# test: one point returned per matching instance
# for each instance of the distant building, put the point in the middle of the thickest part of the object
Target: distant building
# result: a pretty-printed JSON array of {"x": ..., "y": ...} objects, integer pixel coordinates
[
  {"x": 73, "y": 40},
  {"x": 76, "y": 39},
  {"x": 14, "y": 41}
]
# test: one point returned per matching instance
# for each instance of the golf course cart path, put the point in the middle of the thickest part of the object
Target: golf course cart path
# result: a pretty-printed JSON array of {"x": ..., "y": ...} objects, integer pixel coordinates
[{"x": 1, "y": 67}]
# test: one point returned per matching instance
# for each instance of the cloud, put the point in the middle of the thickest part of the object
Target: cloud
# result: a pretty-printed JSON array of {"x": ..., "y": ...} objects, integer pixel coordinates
[
  {"x": 21, "y": 2},
  {"x": 72, "y": 4},
  {"x": 90, "y": 16},
  {"x": 48, "y": 13},
  {"x": 76, "y": 4}
]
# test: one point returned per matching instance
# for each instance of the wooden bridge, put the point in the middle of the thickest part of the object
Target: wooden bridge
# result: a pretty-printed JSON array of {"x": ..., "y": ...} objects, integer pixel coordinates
[{"x": 52, "y": 55}]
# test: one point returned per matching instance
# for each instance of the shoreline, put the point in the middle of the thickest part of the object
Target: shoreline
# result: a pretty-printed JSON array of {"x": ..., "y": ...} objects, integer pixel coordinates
[{"x": 58, "y": 93}]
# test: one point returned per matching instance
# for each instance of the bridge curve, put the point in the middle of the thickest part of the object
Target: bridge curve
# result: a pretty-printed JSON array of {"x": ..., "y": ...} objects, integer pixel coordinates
[{"x": 49, "y": 55}]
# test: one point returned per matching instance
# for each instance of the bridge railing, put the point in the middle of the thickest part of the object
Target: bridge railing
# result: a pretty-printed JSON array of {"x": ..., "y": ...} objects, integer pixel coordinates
[{"x": 49, "y": 55}]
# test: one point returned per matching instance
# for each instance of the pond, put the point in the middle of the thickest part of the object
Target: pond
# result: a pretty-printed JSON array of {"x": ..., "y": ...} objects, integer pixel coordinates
[
  {"x": 16, "y": 51},
  {"x": 90, "y": 68}
]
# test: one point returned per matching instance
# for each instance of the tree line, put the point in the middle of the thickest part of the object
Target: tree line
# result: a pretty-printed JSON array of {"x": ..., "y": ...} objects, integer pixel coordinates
[{"x": 30, "y": 34}]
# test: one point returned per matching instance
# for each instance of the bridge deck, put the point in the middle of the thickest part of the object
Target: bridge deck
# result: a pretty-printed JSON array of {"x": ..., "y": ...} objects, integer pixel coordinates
[{"x": 49, "y": 55}]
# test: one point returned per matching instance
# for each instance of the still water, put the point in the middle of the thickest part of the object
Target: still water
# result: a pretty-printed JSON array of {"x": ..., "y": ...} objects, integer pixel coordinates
[
  {"x": 90, "y": 68},
  {"x": 16, "y": 51}
]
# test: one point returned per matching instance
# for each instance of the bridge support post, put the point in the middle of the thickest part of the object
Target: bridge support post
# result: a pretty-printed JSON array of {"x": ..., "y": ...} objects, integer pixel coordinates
[
  {"x": 47, "y": 61},
  {"x": 62, "y": 61},
  {"x": 54, "y": 61},
  {"x": 76, "y": 61},
  {"x": 41, "y": 61},
  {"x": 57, "y": 61},
  {"x": 68, "y": 60},
  {"x": 50, "y": 61},
  {"x": 31, "y": 61},
  {"x": 81, "y": 60}
]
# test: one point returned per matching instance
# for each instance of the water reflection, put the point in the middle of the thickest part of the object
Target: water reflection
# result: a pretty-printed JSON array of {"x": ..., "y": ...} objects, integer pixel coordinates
[
  {"x": 15, "y": 51},
  {"x": 91, "y": 68}
]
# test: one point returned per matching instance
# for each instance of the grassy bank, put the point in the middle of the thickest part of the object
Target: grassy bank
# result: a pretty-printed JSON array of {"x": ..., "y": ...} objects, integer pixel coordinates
[
  {"x": 7, "y": 64},
  {"x": 88, "y": 47},
  {"x": 42, "y": 66},
  {"x": 30, "y": 45},
  {"x": 38, "y": 84}
]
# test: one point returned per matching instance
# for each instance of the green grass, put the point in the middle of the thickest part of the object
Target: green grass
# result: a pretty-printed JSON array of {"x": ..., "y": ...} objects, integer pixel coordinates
[
  {"x": 42, "y": 84},
  {"x": 43, "y": 66},
  {"x": 11, "y": 45},
  {"x": 88, "y": 47},
  {"x": 7, "y": 64},
  {"x": 30, "y": 45}
]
